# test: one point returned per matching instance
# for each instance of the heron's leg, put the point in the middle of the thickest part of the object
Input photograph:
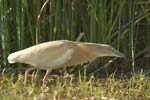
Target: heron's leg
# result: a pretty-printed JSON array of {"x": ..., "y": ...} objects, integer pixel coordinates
[
  {"x": 47, "y": 72},
  {"x": 26, "y": 74}
]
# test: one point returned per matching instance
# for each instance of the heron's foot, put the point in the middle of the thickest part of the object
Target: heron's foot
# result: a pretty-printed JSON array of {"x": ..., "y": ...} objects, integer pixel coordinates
[
  {"x": 45, "y": 79},
  {"x": 46, "y": 76},
  {"x": 26, "y": 74},
  {"x": 25, "y": 81}
]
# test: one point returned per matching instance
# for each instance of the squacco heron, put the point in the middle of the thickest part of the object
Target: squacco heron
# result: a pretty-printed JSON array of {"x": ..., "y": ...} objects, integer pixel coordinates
[{"x": 59, "y": 54}]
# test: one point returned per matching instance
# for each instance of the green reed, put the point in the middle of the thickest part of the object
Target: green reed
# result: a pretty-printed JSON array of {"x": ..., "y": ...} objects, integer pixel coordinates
[{"x": 122, "y": 24}]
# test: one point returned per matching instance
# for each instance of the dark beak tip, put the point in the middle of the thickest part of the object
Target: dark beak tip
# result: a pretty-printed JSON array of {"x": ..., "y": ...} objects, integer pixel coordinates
[{"x": 124, "y": 57}]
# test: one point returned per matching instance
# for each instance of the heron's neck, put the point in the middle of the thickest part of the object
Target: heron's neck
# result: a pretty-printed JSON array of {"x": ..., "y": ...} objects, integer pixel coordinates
[{"x": 94, "y": 49}]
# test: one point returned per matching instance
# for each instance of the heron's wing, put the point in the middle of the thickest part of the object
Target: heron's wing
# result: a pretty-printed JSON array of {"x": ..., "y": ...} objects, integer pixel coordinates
[{"x": 49, "y": 55}]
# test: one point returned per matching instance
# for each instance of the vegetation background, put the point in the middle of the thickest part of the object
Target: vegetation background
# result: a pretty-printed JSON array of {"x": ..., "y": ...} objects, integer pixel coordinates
[
  {"x": 120, "y": 23},
  {"x": 124, "y": 24}
]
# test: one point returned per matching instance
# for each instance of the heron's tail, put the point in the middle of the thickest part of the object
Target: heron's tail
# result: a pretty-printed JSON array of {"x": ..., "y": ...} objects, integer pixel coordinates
[{"x": 13, "y": 57}]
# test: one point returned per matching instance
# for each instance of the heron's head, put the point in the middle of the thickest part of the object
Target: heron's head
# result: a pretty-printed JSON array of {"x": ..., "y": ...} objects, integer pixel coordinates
[
  {"x": 13, "y": 57},
  {"x": 107, "y": 50},
  {"x": 100, "y": 50}
]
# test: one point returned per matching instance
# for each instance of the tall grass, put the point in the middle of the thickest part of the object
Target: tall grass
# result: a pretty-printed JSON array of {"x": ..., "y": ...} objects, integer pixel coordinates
[
  {"x": 5, "y": 44},
  {"x": 123, "y": 24}
]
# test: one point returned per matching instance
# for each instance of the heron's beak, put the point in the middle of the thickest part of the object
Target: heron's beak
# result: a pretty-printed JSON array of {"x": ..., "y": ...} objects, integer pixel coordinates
[{"x": 121, "y": 55}]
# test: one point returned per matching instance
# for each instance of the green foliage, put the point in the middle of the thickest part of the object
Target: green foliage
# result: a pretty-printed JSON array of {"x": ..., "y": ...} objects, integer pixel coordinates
[
  {"x": 70, "y": 87},
  {"x": 122, "y": 24}
]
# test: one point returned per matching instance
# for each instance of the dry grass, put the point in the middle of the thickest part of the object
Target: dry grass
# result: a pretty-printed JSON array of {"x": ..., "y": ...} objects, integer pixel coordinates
[{"x": 69, "y": 87}]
